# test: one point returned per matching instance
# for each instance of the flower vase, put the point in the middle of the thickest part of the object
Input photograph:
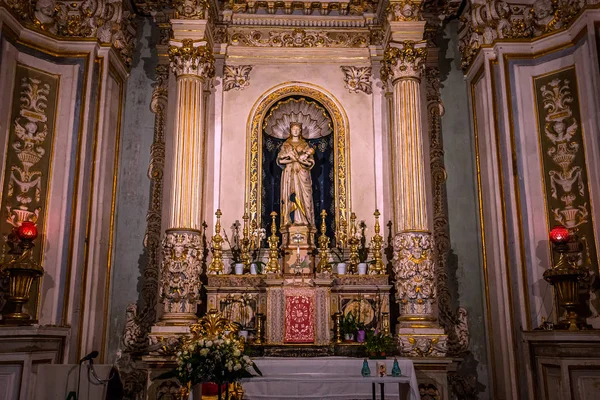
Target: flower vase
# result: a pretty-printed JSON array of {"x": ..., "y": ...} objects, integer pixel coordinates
[
  {"x": 362, "y": 268},
  {"x": 396, "y": 371},
  {"x": 253, "y": 269},
  {"x": 361, "y": 335},
  {"x": 341, "y": 268},
  {"x": 239, "y": 269},
  {"x": 349, "y": 337}
]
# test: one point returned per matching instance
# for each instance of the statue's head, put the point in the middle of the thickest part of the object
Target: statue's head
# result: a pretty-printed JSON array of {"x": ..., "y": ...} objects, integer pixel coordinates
[{"x": 296, "y": 129}]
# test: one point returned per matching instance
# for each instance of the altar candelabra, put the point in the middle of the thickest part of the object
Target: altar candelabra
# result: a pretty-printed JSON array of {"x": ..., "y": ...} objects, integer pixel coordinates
[
  {"x": 377, "y": 266},
  {"x": 324, "y": 265},
  {"x": 245, "y": 244},
  {"x": 216, "y": 265},
  {"x": 273, "y": 263},
  {"x": 354, "y": 242},
  {"x": 297, "y": 239}
]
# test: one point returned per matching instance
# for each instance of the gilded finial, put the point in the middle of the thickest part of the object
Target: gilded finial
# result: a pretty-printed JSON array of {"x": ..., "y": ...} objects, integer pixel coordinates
[
  {"x": 245, "y": 244},
  {"x": 377, "y": 267},
  {"x": 216, "y": 265},
  {"x": 273, "y": 263},
  {"x": 324, "y": 265}
]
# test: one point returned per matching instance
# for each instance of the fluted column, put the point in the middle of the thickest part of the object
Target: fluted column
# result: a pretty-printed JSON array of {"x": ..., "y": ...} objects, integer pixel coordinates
[
  {"x": 414, "y": 263},
  {"x": 193, "y": 64}
]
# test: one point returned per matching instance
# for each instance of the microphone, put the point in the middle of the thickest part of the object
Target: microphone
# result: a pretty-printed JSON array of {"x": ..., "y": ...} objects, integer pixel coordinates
[{"x": 89, "y": 357}]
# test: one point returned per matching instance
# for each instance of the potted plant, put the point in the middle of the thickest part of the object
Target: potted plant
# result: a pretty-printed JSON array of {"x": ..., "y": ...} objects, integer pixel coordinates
[
  {"x": 378, "y": 344},
  {"x": 235, "y": 249},
  {"x": 348, "y": 326},
  {"x": 363, "y": 250},
  {"x": 360, "y": 332},
  {"x": 340, "y": 264}
]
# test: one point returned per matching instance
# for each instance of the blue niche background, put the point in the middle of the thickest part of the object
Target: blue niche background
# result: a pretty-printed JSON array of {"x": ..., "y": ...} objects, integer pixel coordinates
[{"x": 322, "y": 174}]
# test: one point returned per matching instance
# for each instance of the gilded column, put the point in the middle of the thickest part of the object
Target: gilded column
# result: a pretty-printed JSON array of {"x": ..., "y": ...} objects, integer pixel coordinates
[
  {"x": 414, "y": 252},
  {"x": 192, "y": 63}
]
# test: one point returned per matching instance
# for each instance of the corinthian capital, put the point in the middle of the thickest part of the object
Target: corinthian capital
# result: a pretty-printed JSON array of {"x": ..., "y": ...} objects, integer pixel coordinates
[
  {"x": 403, "y": 60},
  {"x": 191, "y": 9},
  {"x": 404, "y": 10},
  {"x": 192, "y": 58}
]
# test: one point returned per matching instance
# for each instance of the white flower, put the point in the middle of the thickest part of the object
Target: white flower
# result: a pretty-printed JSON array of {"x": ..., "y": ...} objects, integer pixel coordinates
[
  {"x": 237, "y": 367},
  {"x": 209, "y": 343},
  {"x": 236, "y": 353},
  {"x": 204, "y": 352},
  {"x": 247, "y": 359}
]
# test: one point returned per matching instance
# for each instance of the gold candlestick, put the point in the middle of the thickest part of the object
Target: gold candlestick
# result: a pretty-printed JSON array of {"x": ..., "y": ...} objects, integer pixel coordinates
[
  {"x": 245, "y": 245},
  {"x": 273, "y": 263},
  {"x": 260, "y": 327},
  {"x": 337, "y": 334},
  {"x": 377, "y": 267},
  {"x": 216, "y": 265},
  {"x": 324, "y": 265},
  {"x": 354, "y": 242}
]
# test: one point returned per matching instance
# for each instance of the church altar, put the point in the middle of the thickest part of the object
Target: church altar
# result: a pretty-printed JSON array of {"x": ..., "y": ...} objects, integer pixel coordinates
[
  {"x": 298, "y": 309},
  {"x": 327, "y": 377}
]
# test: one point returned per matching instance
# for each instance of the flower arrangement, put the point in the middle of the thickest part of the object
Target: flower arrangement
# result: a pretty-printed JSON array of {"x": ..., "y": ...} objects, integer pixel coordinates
[
  {"x": 218, "y": 359},
  {"x": 234, "y": 248},
  {"x": 363, "y": 249}
]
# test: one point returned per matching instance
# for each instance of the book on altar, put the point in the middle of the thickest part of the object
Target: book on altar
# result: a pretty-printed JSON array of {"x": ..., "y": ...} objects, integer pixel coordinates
[{"x": 381, "y": 368}]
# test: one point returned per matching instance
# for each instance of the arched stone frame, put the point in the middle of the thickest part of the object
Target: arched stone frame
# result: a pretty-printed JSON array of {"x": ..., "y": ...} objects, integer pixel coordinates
[{"x": 341, "y": 134}]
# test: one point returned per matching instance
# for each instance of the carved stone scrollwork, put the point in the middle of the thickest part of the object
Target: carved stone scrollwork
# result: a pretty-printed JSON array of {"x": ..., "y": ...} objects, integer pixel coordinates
[
  {"x": 404, "y": 10},
  {"x": 423, "y": 346},
  {"x": 191, "y": 9},
  {"x": 429, "y": 391},
  {"x": 414, "y": 271},
  {"x": 236, "y": 77},
  {"x": 180, "y": 272},
  {"x": 357, "y": 79},
  {"x": 485, "y": 21},
  {"x": 190, "y": 58},
  {"x": 110, "y": 21},
  {"x": 299, "y": 38},
  {"x": 406, "y": 61},
  {"x": 455, "y": 323}
]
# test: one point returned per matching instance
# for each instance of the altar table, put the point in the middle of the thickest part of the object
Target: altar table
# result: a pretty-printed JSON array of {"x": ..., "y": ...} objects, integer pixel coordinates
[{"x": 327, "y": 378}]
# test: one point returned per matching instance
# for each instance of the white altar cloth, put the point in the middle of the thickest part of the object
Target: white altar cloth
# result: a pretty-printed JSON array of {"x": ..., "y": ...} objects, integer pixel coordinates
[{"x": 326, "y": 378}]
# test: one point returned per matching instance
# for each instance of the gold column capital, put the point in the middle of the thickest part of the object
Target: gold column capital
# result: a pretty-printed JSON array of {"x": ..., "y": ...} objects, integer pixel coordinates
[
  {"x": 189, "y": 57},
  {"x": 403, "y": 60}
]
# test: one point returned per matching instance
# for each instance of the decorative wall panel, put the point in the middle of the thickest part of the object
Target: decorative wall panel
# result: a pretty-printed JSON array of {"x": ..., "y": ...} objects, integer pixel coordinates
[
  {"x": 563, "y": 158},
  {"x": 29, "y": 153}
]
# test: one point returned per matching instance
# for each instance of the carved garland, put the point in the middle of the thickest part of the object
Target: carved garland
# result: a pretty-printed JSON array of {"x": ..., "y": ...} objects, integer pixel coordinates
[
  {"x": 357, "y": 79},
  {"x": 455, "y": 323},
  {"x": 341, "y": 132}
]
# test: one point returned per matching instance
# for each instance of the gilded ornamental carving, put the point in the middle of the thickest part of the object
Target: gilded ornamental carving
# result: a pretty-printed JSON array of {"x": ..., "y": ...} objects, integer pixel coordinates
[
  {"x": 404, "y": 10},
  {"x": 111, "y": 22},
  {"x": 236, "y": 77},
  {"x": 298, "y": 38},
  {"x": 485, "y": 21},
  {"x": 414, "y": 270},
  {"x": 357, "y": 79},
  {"x": 180, "y": 272},
  {"x": 191, "y": 9},
  {"x": 191, "y": 58},
  {"x": 406, "y": 61}
]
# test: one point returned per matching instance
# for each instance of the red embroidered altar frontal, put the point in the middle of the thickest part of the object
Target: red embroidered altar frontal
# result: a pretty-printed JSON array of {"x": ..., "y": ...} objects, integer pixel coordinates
[{"x": 299, "y": 315}]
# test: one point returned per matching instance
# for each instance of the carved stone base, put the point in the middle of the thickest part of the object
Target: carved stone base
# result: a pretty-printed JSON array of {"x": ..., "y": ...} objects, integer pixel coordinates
[
  {"x": 432, "y": 375},
  {"x": 180, "y": 276},
  {"x": 422, "y": 342}
]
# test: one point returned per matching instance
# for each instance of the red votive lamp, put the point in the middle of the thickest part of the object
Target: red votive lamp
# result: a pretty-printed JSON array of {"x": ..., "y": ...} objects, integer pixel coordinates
[
  {"x": 559, "y": 235},
  {"x": 27, "y": 231}
]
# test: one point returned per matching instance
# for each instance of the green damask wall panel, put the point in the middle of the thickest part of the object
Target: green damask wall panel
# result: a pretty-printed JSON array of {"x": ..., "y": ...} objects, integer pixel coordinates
[
  {"x": 29, "y": 152},
  {"x": 563, "y": 158}
]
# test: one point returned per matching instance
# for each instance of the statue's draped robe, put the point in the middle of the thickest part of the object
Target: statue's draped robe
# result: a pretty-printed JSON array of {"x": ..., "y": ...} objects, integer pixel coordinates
[{"x": 296, "y": 185}]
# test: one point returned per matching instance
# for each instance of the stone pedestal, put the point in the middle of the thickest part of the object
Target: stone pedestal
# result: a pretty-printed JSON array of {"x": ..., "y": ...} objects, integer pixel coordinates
[
  {"x": 562, "y": 365},
  {"x": 306, "y": 234}
]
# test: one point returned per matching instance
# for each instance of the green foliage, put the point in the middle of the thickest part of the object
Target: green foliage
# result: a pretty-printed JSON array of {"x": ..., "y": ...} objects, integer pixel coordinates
[
  {"x": 348, "y": 324},
  {"x": 378, "y": 342}
]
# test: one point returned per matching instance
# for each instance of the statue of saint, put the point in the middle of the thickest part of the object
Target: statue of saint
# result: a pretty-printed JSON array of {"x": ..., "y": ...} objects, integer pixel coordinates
[{"x": 296, "y": 159}]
